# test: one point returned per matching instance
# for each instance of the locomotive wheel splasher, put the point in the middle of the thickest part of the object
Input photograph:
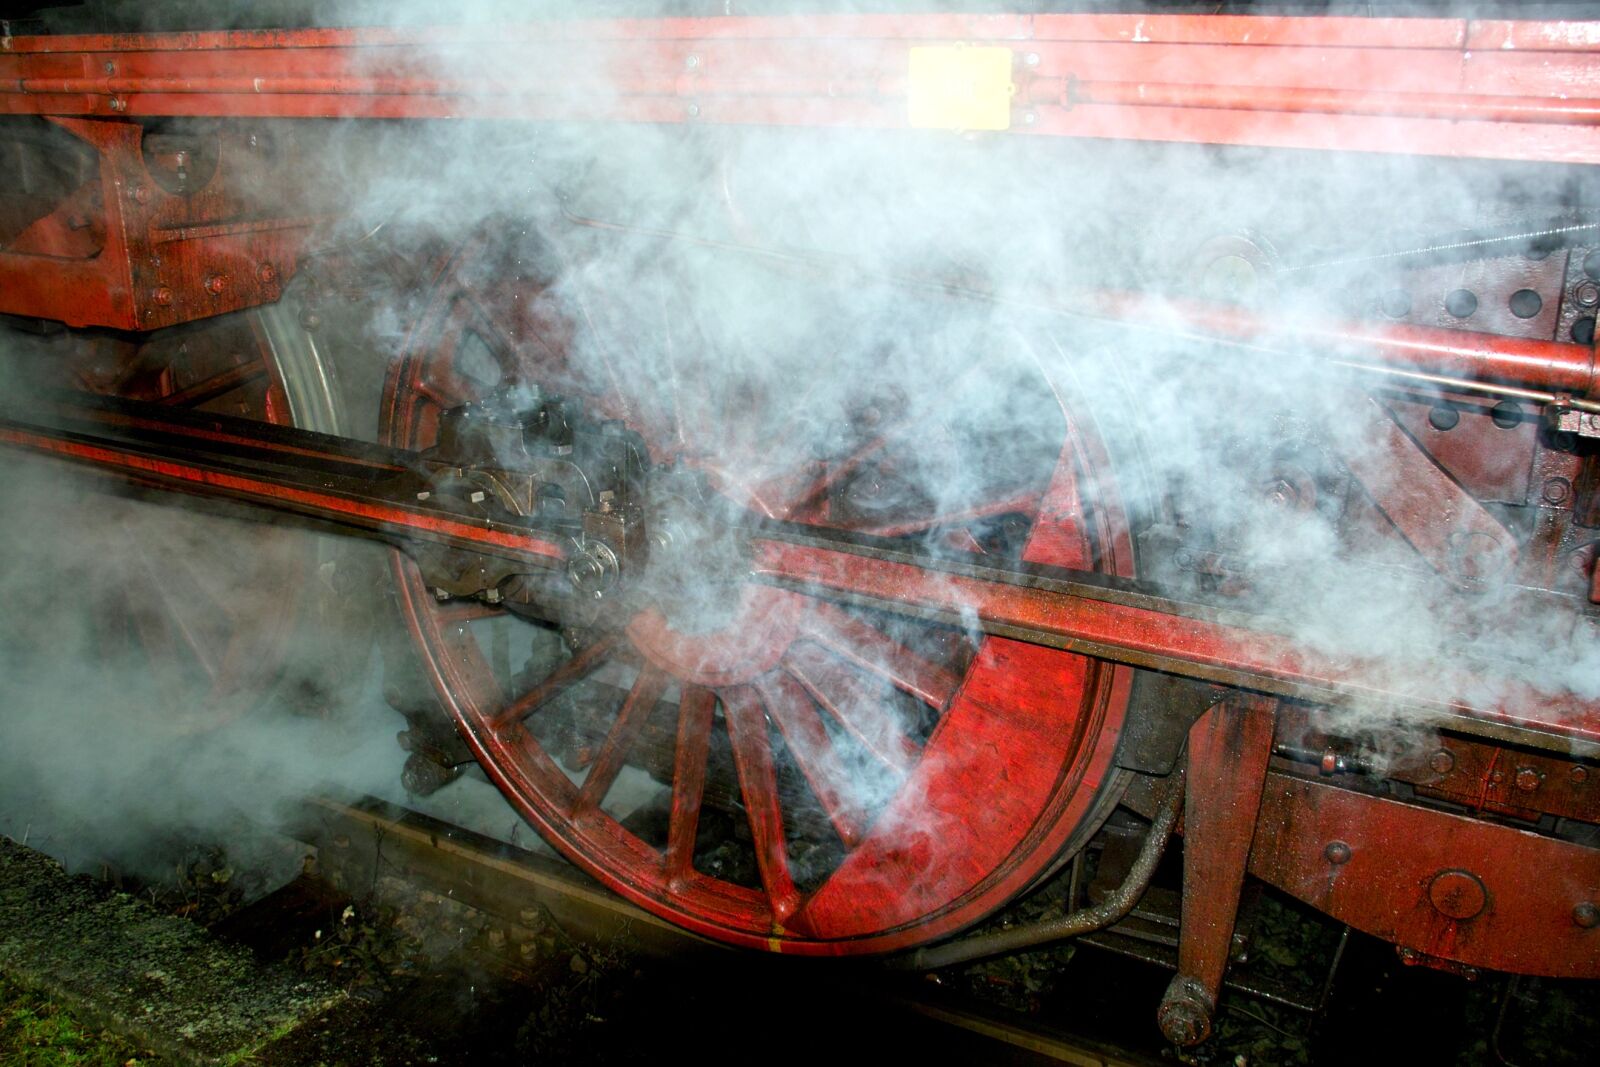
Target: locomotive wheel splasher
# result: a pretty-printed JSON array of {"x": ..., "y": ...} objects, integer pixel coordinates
[{"x": 882, "y": 782}]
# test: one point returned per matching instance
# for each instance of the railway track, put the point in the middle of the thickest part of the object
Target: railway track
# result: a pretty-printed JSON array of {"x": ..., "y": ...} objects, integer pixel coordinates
[{"x": 362, "y": 845}]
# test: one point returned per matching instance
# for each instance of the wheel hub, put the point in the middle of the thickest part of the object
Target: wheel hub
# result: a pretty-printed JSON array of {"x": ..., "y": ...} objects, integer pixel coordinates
[{"x": 763, "y": 627}]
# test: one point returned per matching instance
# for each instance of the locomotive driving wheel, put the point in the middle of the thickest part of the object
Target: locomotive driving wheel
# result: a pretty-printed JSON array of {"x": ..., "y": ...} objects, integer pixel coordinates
[
  {"x": 767, "y": 768},
  {"x": 201, "y": 609}
]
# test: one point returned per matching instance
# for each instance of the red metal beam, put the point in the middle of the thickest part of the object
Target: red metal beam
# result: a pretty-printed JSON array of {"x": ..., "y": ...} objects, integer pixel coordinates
[{"x": 1450, "y": 87}]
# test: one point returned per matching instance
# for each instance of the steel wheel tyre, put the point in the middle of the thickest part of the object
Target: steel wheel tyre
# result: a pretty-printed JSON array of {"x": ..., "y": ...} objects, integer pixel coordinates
[{"x": 894, "y": 782}]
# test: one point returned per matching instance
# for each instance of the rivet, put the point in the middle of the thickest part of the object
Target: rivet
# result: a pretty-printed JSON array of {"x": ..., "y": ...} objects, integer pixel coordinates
[
  {"x": 216, "y": 284},
  {"x": 1528, "y": 779},
  {"x": 1442, "y": 762},
  {"x": 1030, "y": 117},
  {"x": 141, "y": 194},
  {"x": 691, "y": 61},
  {"x": 1586, "y": 915},
  {"x": 1031, "y": 59},
  {"x": 694, "y": 111},
  {"x": 118, "y": 104},
  {"x": 162, "y": 295},
  {"x": 266, "y": 273},
  {"x": 1337, "y": 853}
]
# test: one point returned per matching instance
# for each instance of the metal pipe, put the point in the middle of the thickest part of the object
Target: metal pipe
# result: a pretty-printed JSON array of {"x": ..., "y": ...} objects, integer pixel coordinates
[{"x": 1084, "y": 920}]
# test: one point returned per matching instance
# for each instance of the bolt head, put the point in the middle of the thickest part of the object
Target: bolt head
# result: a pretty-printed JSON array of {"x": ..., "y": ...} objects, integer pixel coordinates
[
  {"x": 266, "y": 273},
  {"x": 162, "y": 296},
  {"x": 1528, "y": 779},
  {"x": 1586, "y": 915},
  {"x": 1031, "y": 59},
  {"x": 217, "y": 284},
  {"x": 1556, "y": 490},
  {"x": 1441, "y": 762},
  {"x": 1337, "y": 853}
]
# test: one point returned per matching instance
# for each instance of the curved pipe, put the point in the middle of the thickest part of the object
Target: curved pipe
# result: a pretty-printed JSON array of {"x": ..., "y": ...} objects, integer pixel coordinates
[{"x": 1084, "y": 920}]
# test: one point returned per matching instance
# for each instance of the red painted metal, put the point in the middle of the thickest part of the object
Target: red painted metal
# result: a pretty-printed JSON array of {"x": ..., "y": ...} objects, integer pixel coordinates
[
  {"x": 1087, "y": 624},
  {"x": 1228, "y": 752},
  {"x": 923, "y": 861},
  {"x": 916, "y": 858},
  {"x": 1428, "y": 86},
  {"x": 160, "y": 258},
  {"x": 1450, "y": 886}
]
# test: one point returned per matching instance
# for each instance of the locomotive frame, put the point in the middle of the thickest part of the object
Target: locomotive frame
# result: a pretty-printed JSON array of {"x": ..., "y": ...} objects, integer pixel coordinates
[{"x": 1475, "y": 880}]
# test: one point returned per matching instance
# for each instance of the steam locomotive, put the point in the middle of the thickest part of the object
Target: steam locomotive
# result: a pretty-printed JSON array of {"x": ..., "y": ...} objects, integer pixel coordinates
[{"x": 834, "y": 463}]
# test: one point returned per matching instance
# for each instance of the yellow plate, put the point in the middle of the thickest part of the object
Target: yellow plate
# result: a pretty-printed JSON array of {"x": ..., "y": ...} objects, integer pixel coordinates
[{"x": 960, "y": 87}]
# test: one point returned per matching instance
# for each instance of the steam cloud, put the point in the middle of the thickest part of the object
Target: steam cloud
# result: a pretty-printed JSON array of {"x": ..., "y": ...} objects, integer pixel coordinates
[{"x": 783, "y": 355}]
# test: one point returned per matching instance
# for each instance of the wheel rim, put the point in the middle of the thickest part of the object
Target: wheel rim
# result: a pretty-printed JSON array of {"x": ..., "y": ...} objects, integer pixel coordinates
[{"x": 897, "y": 781}]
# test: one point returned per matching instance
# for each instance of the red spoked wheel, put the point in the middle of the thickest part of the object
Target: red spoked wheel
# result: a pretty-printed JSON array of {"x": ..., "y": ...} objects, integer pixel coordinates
[
  {"x": 202, "y": 606},
  {"x": 763, "y": 767}
]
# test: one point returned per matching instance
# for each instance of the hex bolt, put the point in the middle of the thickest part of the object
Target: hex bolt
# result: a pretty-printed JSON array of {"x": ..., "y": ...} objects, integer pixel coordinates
[
  {"x": 1441, "y": 762},
  {"x": 1556, "y": 491},
  {"x": 1586, "y": 915},
  {"x": 1528, "y": 779},
  {"x": 217, "y": 284},
  {"x": 1578, "y": 775},
  {"x": 1337, "y": 853},
  {"x": 424, "y": 495},
  {"x": 162, "y": 295},
  {"x": 492, "y": 596},
  {"x": 1586, "y": 294}
]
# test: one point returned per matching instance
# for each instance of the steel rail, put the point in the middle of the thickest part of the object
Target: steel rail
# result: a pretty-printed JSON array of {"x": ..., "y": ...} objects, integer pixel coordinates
[{"x": 352, "y": 484}]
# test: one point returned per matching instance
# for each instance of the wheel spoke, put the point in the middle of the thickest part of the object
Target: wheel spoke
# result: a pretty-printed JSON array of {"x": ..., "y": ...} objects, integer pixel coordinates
[
  {"x": 695, "y": 708},
  {"x": 752, "y": 760},
  {"x": 868, "y": 648},
  {"x": 801, "y": 725},
  {"x": 458, "y": 612},
  {"x": 1020, "y": 503},
  {"x": 216, "y": 385},
  {"x": 636, "y": 708},
  {"x": 176, "y": 619},
  {"x": 572, "y": 671},
  {"x": 857, "y": 708}
]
